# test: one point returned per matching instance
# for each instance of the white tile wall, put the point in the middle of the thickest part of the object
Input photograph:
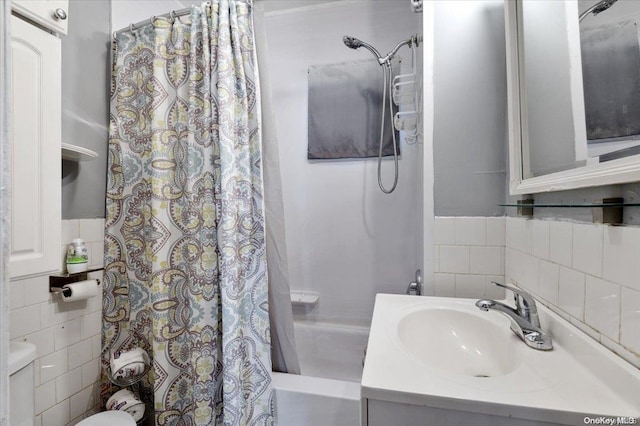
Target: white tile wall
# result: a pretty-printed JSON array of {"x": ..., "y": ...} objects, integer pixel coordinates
[
  {"x": 588, "y": 273},
  {"x": 66, "y": 335},
  {"x": 469, "y": 254}
]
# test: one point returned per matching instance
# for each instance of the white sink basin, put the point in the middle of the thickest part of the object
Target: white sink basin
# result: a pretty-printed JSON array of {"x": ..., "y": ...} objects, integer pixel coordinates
[
  {"x": 459, "y": 342},
  {"x": 444, "y": 353}
]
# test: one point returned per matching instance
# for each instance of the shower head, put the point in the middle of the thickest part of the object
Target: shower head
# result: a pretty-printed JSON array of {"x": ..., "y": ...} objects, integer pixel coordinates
[
  {"x": 603, "y": 5},
  {"x": 354, "y": 43},
  {"x": 351, "y": 42},
  {"x": 597, "y": 8}
]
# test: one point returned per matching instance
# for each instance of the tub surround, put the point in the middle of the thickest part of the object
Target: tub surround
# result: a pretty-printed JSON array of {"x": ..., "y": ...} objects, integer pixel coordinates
[
  {"x": 67, "y": 335},
  {"x": 576, "y": 379}
]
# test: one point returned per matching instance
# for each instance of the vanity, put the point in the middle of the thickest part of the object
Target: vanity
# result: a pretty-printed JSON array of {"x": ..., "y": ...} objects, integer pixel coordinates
[{"x": 436, "y": 360}]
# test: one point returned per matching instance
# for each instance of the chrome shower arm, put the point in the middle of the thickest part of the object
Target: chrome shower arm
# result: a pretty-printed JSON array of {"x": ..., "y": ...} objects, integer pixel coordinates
[{"x": 409, "y": 42}]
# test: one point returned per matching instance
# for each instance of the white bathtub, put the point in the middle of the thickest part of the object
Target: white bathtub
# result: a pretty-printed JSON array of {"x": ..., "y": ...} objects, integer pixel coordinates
[{"x": 328, "y": 391}]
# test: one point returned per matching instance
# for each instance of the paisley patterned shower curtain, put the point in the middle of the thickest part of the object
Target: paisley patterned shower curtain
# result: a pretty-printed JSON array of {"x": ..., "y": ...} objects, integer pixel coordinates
[{"x": 185, "y": 274}]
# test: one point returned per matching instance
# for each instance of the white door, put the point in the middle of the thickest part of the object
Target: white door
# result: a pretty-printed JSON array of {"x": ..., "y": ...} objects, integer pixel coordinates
[{"x": 35, "y": 151}]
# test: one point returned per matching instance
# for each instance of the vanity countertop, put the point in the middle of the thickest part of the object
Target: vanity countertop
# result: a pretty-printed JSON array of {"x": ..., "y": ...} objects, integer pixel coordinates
[{"x": 578, "y": 378}]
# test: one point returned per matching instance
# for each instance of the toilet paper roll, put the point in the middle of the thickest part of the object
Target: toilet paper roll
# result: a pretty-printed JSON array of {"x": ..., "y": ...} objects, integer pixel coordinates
[
  {"x": 136, "y": 410},
  {"x": 81, "y": 290},
  {"x": 129, "y": 364}
]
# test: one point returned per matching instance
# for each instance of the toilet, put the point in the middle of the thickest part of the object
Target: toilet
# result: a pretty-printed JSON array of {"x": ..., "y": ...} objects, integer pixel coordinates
[{"x": 22, "y": 392}]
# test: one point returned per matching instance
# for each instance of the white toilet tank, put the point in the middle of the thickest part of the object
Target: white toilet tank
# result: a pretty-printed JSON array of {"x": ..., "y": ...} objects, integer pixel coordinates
[{"x": 21, "y": 384}]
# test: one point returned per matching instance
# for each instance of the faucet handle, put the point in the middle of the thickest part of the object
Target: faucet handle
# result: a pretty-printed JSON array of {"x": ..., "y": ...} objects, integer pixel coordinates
[{"x": 525, "y": 303}]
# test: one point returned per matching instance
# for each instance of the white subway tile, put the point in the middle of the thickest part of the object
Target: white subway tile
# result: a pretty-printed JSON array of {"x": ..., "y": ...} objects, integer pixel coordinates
[
  {"x": 36, "y": 290},
  {"x": 43, "y": 339},
  {"x": 571, "y": 292},
  {"x": 530, "y": 273},
  {"x": 53, "y": 365},
  {"x": 16, "y": 294},
  {"x": 92, "y": 230},
  {"x": 58, "y": 415},
  {"x": 621, "y": 248},
  {"x": 444, "y": 285},
  {"x": 68, "y": 384},
  {"x": 70, "y": 231},
  {"x": 587, "y": 248},
  {"x": 471, "y": 231},
  {"x": 548, "y": 281},
  {"x": 560, "y": 242},
  {"x": 496, "y": 230},
  {"x": 512, "y": 263},
  {"x": 602, "y": 306},
  {"x": 621, "y": 351},
  {"x": 96, "y": 346},
  {"x": 436, "y": 258},
  {"x": 97, "y": 254},
  {"x": 540, "y": 239},
  {"x": 586, "y": 328},
  {"x": 493, "y": 291},
  {"x": 444, "y": 231},
  {"x": 45, "y": 396},
  {"x": 470, "y": 286},
  {"x": 454, "y": 259},
  {"x": 91, "y": 324},
  {"x": 91, "y": 372},
  {"x": 83, "y": 401},
  {"x": 486, "y": 260},
  {"x": 519, "y": 234},
  {"x": 52, "y": 313},
  {"x": 67, "y": 333},
  {"x": 24, "y": 321},
  {"x": 630, "y": 319},
  {"x": 80, "y": 353}
]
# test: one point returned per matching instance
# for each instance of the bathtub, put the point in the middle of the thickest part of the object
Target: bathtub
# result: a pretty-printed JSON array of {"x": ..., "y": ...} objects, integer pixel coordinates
[{"x": 328, "y": 391}]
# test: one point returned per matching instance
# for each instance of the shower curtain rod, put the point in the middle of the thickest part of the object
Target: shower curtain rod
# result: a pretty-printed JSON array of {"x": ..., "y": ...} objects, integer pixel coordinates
[{"x": 170, "y": 15}]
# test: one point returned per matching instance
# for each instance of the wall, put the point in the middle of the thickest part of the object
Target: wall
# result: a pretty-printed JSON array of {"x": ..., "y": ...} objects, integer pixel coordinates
[
  {"x": 470, "y": 108},
  {"x": 67, "y": 335},
  {"x": 469, "y": 256},
  {"x": 588, "y": 273},
  {"x": 346, "y": 239},
  {"x": 85, "y": 94}
]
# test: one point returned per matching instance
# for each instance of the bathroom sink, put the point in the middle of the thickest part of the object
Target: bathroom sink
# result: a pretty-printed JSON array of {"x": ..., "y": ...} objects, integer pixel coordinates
[
  {"x": 462, "y": 343},
  {"x": 442, "y": 353}
]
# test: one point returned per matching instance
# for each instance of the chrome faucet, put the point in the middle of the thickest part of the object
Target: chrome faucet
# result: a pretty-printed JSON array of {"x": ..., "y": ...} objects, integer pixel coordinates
[
  {"x": 524, "y": 317},
  {"x": 415, "y": 287}
]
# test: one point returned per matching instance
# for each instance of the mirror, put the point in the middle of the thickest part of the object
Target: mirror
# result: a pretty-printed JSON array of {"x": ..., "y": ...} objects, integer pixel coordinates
[{"x": 574, "y": 93}]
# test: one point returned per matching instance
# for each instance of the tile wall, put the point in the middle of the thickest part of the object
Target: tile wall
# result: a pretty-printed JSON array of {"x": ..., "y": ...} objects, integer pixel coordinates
[
  {"x": 468, "y": 256},
  {"x": 67, "y": 335},
  {"x": 587, "y": 273}
]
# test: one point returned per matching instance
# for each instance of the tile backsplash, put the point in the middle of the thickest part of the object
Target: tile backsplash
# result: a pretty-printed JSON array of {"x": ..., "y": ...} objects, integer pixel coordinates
[
  {"x": 587, "y": 273},
  {"x": 468, "y": 256},
  {"x": 67, "y": 335}
]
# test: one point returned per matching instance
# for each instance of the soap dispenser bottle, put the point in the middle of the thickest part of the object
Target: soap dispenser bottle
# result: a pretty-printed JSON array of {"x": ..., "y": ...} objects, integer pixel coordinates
[{"x": 77, "y": 258}]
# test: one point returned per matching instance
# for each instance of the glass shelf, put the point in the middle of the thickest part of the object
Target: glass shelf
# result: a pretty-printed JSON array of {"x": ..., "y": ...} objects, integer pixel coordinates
[{"x": 572, "y": 206}]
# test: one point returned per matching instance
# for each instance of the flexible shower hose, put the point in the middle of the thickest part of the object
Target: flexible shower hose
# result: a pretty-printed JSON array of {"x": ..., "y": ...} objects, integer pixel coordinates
[{"x": 387, "y": 76}]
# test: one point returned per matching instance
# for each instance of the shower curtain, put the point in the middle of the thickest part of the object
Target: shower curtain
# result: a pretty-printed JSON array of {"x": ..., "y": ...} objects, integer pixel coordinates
[{"x": 185, "y": 250}]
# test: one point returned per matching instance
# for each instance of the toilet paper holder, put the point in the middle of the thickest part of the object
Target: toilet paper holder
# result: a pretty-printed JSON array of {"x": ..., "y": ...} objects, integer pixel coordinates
[{"x": 56, "y": 282}]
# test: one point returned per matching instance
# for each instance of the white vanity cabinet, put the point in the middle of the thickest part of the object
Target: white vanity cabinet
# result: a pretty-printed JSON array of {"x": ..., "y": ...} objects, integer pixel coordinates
[
  {"x": 51, "y": 14},
  {"x": 35, "y": 141}
]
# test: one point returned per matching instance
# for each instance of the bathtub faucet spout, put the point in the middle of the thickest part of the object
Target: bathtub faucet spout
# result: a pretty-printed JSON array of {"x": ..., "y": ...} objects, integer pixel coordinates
[{"x": 415, "y": 287}]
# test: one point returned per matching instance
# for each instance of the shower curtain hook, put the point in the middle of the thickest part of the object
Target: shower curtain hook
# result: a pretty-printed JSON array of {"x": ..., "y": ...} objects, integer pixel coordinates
[
  {"x": 172, "y": 15},
  {"x": 132, "y": 28}
]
